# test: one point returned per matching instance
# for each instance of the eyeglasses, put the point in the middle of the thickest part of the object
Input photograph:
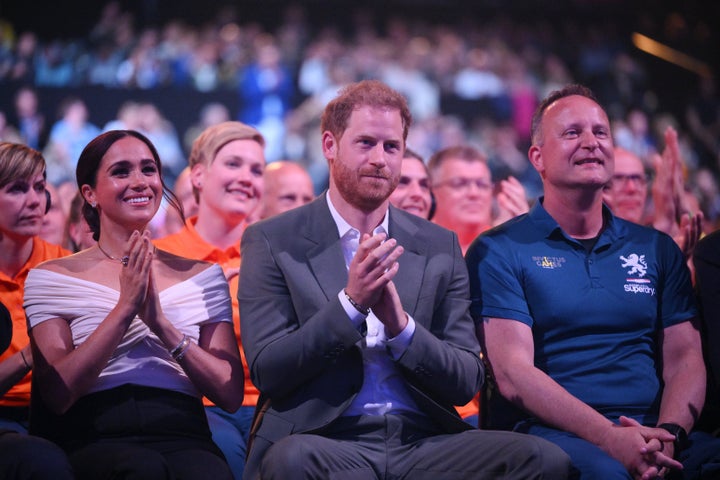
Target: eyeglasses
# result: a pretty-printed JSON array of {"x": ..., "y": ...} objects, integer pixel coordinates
[
  {"x": 460, "y": 183},
  {"x": 636, "y": 178}
]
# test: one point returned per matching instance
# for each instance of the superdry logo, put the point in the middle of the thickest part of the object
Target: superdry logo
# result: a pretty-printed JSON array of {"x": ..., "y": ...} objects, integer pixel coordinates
[
  {"x": 635, "y": 288},
  {"x": 549, "y": 262},
  {"x": 637, "y": 266}
]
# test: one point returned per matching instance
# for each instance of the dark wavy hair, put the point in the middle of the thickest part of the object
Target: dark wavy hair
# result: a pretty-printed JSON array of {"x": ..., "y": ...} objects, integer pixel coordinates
[{"x": 89, "y": 163}]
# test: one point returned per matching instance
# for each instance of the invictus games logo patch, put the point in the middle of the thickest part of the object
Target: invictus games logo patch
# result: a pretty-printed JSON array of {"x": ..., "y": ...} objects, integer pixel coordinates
[
  {"x": 549, "y": 262},
  {"x": 636, "y": 269}
]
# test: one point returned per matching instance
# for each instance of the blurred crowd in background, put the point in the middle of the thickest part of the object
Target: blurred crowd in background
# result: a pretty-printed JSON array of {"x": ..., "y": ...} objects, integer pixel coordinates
[{"x": 469, "y": 81}]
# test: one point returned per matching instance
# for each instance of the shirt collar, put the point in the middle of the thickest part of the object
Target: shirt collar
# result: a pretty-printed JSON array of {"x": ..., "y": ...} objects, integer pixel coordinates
[
  {"x": 203, "y": 249},
  {"x": 612, "y": 230},
  {"x": 344, "y": 227},
  {"x": 41, "y": 251}
]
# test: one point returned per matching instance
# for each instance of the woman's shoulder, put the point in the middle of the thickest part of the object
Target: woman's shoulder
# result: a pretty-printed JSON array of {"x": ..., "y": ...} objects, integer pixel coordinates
[{"x": 73, "y": 265}]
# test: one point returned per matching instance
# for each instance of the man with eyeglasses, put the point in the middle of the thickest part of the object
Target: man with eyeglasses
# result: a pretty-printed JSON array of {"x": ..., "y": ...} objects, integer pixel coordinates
[
  {"x": 463, "y": 189},
  {"x": 626, "y": 194}
]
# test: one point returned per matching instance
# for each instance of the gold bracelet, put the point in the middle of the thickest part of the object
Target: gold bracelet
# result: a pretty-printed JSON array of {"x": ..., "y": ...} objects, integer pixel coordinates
[{"x": 29, "y": 367}]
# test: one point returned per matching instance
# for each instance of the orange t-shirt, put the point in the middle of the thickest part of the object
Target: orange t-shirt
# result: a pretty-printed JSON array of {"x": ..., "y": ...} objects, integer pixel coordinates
[
  {"x": 470, "y": 408},
  {"x": 11, "y": 295},
  {"x": 188, "y": 243}
]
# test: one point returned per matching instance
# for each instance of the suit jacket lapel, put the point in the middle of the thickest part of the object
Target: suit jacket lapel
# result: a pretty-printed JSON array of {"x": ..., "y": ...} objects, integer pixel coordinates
[
  {"x": 325, "y": 256},
  {"x": 410, "y": 276}
]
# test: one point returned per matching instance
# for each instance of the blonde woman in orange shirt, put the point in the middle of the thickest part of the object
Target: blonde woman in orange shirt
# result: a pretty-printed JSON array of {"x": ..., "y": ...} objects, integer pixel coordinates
[{"x": 227, "y": 163}]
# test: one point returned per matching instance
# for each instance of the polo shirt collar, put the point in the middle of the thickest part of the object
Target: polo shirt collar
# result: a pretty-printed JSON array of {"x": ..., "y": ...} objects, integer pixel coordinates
[
  {"x": 202, "y": 248},
  {"x": 613, "y": 230}
]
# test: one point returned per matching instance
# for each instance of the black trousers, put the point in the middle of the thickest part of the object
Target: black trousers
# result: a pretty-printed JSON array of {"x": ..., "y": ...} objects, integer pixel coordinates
[
  {"x": 26, "y": 457},
  {"x": 400, "y": 447},
  {"x": 133, "y": 432}
]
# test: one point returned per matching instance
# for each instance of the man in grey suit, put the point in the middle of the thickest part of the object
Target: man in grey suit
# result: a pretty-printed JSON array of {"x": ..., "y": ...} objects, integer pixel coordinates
[{"x": 356, "y": 328}]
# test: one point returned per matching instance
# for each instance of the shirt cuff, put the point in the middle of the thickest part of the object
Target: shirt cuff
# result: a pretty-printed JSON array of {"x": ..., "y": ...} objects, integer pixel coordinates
[
  {"x": 400, "y": 342},
  {"x": 357, "y": 318}
]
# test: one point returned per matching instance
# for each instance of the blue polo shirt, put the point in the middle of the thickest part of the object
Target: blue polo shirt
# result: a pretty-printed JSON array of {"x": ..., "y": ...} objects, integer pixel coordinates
[{"x": 595, "y": 316}]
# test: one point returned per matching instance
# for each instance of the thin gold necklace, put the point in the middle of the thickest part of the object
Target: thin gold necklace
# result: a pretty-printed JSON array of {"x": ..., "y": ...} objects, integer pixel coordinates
[{"x": 124, "y": 260}]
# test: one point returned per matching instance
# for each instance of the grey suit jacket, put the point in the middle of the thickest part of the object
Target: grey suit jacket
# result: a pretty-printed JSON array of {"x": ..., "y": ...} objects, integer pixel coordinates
[{"x": 303, "y": 351}]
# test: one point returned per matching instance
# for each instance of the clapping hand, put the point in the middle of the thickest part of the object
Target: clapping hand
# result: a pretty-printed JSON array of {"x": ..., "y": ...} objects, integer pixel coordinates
[
  {"x": 370, "y": 277},
  {"x": 134, "y": 276},
  {"x": 512, "y": 200}
]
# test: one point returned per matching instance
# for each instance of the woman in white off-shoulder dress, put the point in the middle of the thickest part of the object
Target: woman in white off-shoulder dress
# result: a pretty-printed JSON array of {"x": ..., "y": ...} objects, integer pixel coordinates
[{"x": 128, "y": 338}]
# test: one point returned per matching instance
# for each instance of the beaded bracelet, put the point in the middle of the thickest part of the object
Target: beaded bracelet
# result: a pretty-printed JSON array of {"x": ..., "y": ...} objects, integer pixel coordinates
[
  {"x": 364, "y": 310},
  {"x": 179, "y": 352}
]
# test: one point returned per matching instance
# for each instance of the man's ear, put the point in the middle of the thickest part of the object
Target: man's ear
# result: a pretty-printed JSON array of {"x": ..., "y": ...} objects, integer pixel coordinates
[
  {"x": 329, "y": 146},
  {"x": 535, "y": 156}
]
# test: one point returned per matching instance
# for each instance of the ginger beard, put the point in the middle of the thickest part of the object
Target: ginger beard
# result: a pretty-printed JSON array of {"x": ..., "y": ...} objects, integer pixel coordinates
[{"x": 367, "y": 187}]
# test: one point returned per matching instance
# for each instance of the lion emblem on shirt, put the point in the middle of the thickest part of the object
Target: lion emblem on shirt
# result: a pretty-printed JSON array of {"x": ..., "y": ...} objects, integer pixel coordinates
[{"x": 636, "y": 263}]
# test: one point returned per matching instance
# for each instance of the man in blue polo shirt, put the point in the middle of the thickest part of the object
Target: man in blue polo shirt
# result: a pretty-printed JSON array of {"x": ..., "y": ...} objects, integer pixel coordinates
[{"x": 588, "y": 320}]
